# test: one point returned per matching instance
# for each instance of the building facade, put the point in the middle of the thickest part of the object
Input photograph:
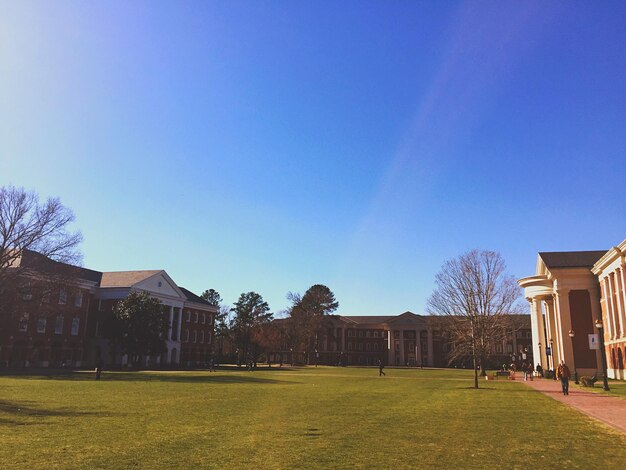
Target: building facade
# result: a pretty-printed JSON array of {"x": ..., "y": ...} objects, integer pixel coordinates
[
  {"x": 57, "y": 321},
  {"x": 407, "y": 339},
  {"x": 568, "y": 295},
  {"x": 610, "y": 273}
]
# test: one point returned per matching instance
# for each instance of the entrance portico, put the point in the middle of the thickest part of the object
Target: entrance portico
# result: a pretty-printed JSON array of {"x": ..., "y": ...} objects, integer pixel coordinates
[{"x": 564, "y": 298}]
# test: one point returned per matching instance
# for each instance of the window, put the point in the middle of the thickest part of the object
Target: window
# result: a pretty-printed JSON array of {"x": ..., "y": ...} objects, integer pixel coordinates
[
  {"x": 75, "y": 325},
  {"x": 397, "y": 346},
  {"x": 360, "y": 346},
  {"x": 58, "y": 326},
  {"x": 23, "y": 323},
  {"x": 62, "y": 297},
  {"x": 396, "y": 334},
  {"x": 100, "y": 306},
  {"x": 203, "y": 318},
  {"x": 195, "y": 317},
  {"x": 78, "y": 300},
  {"x": 509, "y": 348},
  {"x": 519, "y": 334},
  {"x": 195, "y": 336},
  {"x": 186, "y": 340},
  {"x": 27, "y": 296},
  {"x": 375, "y": 334},
  {"x": 349, "y": 346},
  {"x": 188, "y": 316},
  {"x": 361, "y": 333},
  {"x": 529, "y": 334},
  {"x": 208, "y": 337},
  {"x": 368, "y": 347},
  {"x": 201, "y": 337},
  {"x": 45, "y": 298},
  {"x": 499, "y": 348},
  {"x": 41, "y": 325},
  {"x": 367, "y": 333},
  {"x": 375, "y": 346},
  {"x": 350, "y": 333}
]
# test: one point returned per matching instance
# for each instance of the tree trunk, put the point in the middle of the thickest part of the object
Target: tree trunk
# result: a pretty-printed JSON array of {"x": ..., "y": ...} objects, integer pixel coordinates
[{"x": 475, "y": 373}]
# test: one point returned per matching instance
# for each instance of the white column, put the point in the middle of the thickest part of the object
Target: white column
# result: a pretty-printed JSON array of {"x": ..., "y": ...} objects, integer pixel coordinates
[
  {"x": 565, "y": 321},
  {"x": 418, "y": 345},
  {"x": 431, "y": 359},
  {"x": 609, "y": 326},
  {"x": 180, "y": 326},
  {"x": 402, "y": 358},
  {"x": 169, "y": 329},
  {"x": 535, "y": 320},
  {"x": 623, "y": 298},
  {"x": 619, "y": 301},
  {"x": 550, "y": 315}
]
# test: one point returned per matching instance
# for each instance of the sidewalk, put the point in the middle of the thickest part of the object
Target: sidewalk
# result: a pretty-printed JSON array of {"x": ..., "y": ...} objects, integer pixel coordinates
[{"x": 610, "y": 410}]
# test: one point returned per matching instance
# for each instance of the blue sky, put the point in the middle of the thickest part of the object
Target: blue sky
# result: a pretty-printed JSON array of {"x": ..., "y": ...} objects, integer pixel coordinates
[{"x": 270, "y": 146}]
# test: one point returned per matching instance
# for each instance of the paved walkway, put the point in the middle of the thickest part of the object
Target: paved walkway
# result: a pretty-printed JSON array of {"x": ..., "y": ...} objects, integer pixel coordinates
[{"x": 610, "y": 410}]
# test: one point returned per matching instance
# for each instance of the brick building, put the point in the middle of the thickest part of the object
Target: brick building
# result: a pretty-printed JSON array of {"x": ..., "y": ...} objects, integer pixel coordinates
[
  {"x": 407, "y": 339},
  {"x": 54, "y": 317},
  {"x": 570, "y": 295}
]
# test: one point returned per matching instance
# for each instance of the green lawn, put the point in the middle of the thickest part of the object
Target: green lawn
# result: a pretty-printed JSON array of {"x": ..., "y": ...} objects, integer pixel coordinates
[
  {"x": 293, "y": 418},
  {"x": 616, "y": 388}
]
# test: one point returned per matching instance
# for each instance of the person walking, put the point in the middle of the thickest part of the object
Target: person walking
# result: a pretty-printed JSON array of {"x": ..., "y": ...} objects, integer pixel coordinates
[
  {"x": 563, "y": 373},
  {"x": 539, "y": 370},
  {"x": 99, "y": 367},
  {"x": 531, "y": 371},
  {"x": 381, "y": 366}
]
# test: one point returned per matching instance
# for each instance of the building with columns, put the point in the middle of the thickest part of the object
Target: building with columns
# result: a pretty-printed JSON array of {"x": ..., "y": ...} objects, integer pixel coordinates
[
  {"x": 407, "y": 339},
  {"x": 55, "y": 314},
  {"x": 610, "y": 272},
  {"x": 568, "y": 294}
]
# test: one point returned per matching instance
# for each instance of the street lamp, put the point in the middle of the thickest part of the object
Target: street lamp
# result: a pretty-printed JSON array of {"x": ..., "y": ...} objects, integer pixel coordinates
[
  {"x": 605, "y": 379},
  {"x": 571, "y": 335}
]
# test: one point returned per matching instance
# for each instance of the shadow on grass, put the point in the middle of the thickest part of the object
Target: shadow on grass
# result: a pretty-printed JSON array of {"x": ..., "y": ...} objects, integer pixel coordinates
[
  {"x": 175, "y": 376},
  {"x": 29, "y": 409}
]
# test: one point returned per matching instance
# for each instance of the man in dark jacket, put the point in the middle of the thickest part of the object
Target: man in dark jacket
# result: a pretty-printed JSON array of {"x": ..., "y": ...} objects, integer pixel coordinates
[{"x": 563, "y": 373}]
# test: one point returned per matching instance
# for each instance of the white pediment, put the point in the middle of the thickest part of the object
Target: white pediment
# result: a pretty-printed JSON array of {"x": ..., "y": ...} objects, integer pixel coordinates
[
  {"x": 407, "y": 318},
  {"x": 161, "y": 284}
]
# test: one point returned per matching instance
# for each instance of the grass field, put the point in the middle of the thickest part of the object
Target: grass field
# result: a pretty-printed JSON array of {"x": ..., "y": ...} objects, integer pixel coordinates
[{"x": 293, "y": 418}]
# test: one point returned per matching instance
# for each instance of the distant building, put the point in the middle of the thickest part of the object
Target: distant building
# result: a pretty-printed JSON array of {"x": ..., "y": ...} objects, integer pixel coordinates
[
  {"x": 407, "y": 339},
  {"x": 56, "y": 314},
  {"x": 568, "y": 294}
]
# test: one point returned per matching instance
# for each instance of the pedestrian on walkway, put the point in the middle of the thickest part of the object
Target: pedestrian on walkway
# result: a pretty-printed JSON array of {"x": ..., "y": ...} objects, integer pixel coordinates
[
  {"x": 525, "y": 370},
  {"x": 563, "y": 373},
  {"x": 381, "y": 366},
  {"x": 99, "y": 367},
  {"x": 539, "y": 370},
  {"x": 530, "y": 371}
]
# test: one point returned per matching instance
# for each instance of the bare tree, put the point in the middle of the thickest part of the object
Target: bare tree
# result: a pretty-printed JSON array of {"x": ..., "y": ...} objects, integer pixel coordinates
[
  {"x": 474, "y": 297},
  {"x": 26, "y": 224}
]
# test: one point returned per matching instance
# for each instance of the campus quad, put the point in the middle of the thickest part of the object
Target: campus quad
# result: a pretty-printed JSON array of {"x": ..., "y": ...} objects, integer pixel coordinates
[{"x": 324, "y": 417}]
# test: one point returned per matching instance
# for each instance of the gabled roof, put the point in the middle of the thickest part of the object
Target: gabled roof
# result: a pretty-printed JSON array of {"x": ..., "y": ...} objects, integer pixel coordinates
[
  {"x": 367, "y": 318},
  {"x": 125, "y": 278},
  {"x": 38, "y": 262},
  {"x": 571, "y": 259},
  {"x": 194, "y": 298}
]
